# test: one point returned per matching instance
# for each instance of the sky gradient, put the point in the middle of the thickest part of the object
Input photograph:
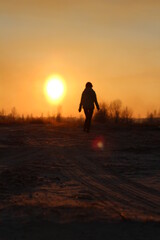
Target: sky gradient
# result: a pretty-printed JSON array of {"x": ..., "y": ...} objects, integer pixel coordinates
[{"x": 114, "y": 44}]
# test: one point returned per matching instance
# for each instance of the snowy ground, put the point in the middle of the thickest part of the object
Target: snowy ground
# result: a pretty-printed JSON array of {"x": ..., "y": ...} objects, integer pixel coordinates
[{"x": 61, "y": 183}]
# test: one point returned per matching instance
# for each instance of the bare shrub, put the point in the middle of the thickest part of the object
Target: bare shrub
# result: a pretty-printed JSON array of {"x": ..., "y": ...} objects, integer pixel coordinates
[
  {"x": 113, "y": 113},
  {"x": 153, "y": 117},
  {"x": 2, "y": 113},
  {"x": 13, "y": 113},
  {"x": 115, "y": 110},
  {"x": 102, "y": 114},
  {"x": 126, "y": 114}
]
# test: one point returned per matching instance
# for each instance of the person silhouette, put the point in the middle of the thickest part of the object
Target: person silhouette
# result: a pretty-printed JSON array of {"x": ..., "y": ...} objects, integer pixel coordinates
[{"x": 88, "y": 99}]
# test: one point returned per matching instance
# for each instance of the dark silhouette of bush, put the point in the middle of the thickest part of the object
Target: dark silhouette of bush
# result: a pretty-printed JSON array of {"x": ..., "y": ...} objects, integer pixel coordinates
[
  {"x": 113, "y": 113},
  {"x": 102, "y": 114},
  {"x": 126, "y": 115},
  {"x": 153, "y": 117},
  {"x": 115, "y": 110}
]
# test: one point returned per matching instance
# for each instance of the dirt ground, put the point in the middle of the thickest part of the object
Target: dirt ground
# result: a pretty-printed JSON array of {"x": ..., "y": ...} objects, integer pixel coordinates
[{"x": 57, "y": 182}]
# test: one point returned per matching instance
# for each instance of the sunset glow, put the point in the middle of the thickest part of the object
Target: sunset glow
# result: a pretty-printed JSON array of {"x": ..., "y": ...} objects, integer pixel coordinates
[{"x": 113, "y": 44}]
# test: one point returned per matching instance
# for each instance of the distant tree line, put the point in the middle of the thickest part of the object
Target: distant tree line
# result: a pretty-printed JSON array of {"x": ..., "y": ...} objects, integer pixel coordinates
[
  {"x": 14, "y": 117},
  {"x": 110, "y": 113},
  {"x": 153, "y": 116}
]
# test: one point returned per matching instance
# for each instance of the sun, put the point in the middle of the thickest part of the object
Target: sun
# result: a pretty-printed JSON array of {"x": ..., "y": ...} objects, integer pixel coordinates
[{"x": 55, "y": 88}]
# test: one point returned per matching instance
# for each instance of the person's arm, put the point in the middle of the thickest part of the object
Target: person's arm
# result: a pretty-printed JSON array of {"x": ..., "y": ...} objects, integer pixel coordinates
[
  {"x": 80, "y": 105},
  {"x": 96, "y": 102}
]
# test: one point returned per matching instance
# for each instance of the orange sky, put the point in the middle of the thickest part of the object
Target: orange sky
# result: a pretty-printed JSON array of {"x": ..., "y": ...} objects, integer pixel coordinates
[{"x": 114, "y": 44}]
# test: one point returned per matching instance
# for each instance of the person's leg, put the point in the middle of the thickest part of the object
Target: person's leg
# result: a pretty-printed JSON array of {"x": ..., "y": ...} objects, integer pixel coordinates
[
  {"x": 89, "y": 118},
  {"x": 88, "y": 114},
  {"x": 86, "y": 119}
]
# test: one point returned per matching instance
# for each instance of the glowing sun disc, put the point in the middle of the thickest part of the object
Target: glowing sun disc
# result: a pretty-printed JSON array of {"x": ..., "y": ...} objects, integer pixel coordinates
[{"x": 55, "y": 88}]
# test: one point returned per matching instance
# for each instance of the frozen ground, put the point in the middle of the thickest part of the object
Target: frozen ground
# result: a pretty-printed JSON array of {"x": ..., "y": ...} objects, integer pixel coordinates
[{"x": 61, "y": 183}]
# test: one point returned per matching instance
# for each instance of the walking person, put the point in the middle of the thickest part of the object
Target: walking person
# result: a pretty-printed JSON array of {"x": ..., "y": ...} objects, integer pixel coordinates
[{"x": 88, "y": 100}]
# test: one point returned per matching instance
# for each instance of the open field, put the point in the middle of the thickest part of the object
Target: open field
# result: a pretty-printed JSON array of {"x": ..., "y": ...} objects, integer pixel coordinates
[{"x": 57, "y": 182}]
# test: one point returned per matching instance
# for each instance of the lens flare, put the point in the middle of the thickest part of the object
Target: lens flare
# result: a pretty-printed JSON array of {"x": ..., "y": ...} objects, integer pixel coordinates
[{"x": 98, "y": 143}]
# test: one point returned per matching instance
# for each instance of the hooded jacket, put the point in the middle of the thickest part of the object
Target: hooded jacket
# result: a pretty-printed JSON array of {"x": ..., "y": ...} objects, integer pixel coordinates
[{"x": 88, "y": 99}]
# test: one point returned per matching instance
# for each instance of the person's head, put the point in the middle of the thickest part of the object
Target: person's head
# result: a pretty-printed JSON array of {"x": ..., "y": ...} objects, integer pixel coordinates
[{"x": 89, "y": 85}]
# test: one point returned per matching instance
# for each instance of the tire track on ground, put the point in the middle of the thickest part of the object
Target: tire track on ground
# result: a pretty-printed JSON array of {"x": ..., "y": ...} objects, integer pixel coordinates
[
  {"x": 121, "y": 185},
  {"x": 95, "y": 191},
  {"x": 126, "y": 193},
  {"x": 137, "y": 191}
]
